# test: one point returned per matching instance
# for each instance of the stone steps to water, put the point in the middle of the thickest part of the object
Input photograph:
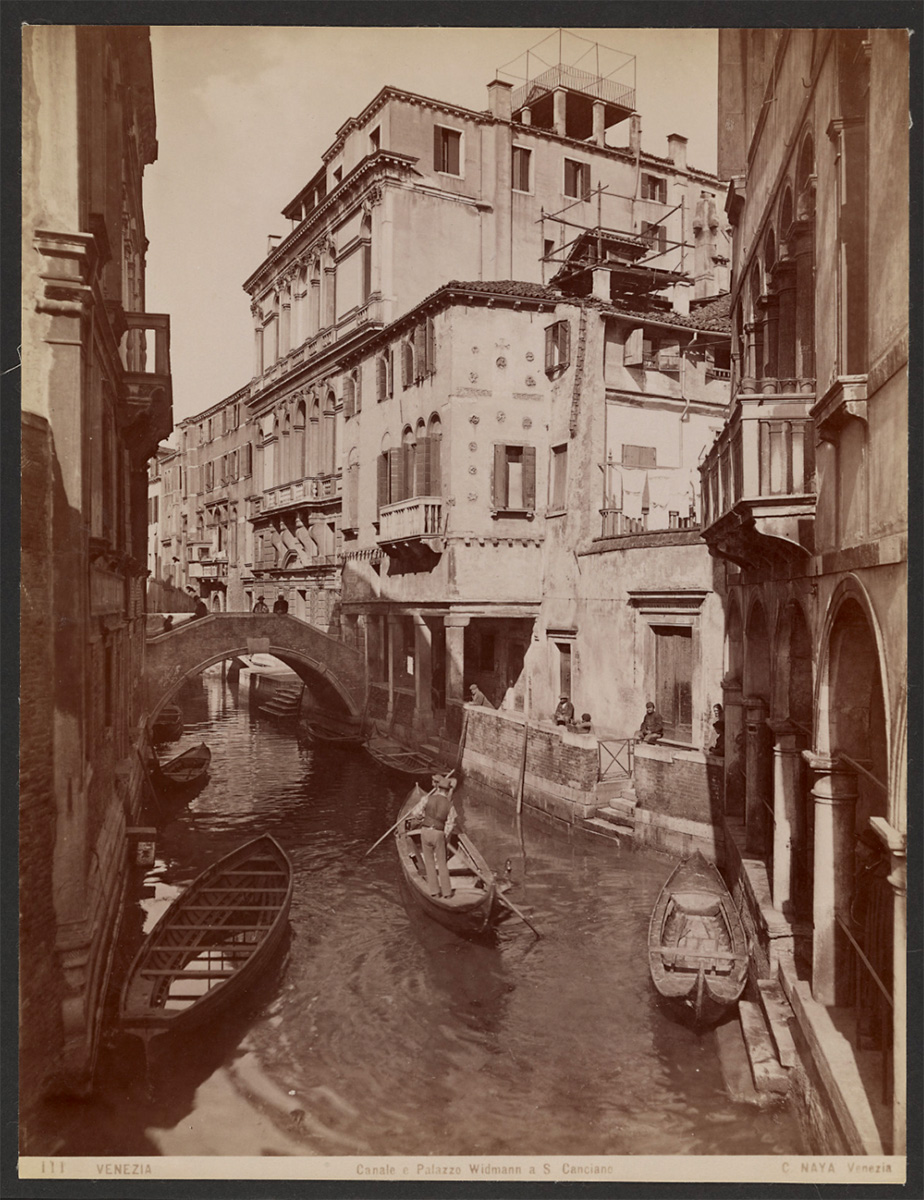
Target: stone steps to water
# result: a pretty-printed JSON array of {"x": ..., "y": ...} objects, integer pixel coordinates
[
  {"x": 779, "y": 1017},
  {"x": 768, "y": 1073},
  {"x": 620, "y": 812},
  {"x": 605, "y": 828}
]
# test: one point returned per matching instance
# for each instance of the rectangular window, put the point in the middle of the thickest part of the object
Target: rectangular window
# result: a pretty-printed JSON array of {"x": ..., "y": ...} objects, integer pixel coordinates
[
  {"x": 519, "y": 168},
  {"x": 655, "y": 236},
  {"x": 248, "y": 459},
  {"x": 654, "y": 188},
  {"x": 514, "y": 478},
  {"x": 639, "y": 456},
  {"x": 577, "y": 179},
  {"x": 558, "y": 478},
  {"x": 674, "y": 680},
  {"x": 548, "y": 248},
  {"x": 447, "y": 150},
  {"x": 557, "y": 346}
]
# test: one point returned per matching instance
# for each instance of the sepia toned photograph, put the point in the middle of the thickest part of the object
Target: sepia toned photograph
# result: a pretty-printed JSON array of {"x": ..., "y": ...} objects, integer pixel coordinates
[{"x": 463, "y": 602}]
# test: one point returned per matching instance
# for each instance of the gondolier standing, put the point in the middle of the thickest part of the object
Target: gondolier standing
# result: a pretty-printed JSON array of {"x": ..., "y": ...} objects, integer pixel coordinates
[{"x": 433, "y": 822}]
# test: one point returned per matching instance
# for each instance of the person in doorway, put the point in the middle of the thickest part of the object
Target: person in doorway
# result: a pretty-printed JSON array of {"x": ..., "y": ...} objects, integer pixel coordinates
[
  {"x": 564, "y": 713},
  {"x": 434, "y": 819},
  {"x": 478, "y": 696},
  {"x": 201, "y": 609},
  {"x": 281, "y": 605},
  {"x": 652, "y": 726},
  {"x": 718, "y": 725},
  {"x": 260, "y": 606}
]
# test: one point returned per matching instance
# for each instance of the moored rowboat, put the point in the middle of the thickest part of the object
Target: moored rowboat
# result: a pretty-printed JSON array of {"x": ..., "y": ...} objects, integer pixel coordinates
[
  {"x": 212, "y": 944},
  {"x": 335, "y": 731},
  {"x": 396, "y": 757},
  {"x": 168, "y": 724},
  {"x": 697, "y": 948},
  {"x": 185, "y": 770},
  {"x": 472, "y": 907}
]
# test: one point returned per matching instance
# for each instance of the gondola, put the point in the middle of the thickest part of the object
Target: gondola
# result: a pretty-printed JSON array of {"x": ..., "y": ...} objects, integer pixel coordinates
[
  {"x": 334, "y": 731},
  {"x": 398, "y": 758},
  {"x": 168, "y": 724},
  {"x": 213, "y": 942},
  {"x": 473, "y": 906},
  {"x": 184, "y": 771},
  {"x": 697, "y": 948}
]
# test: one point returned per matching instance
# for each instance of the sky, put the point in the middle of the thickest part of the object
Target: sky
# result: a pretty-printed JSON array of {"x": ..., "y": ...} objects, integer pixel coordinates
[{"x": 245, "y": 112}]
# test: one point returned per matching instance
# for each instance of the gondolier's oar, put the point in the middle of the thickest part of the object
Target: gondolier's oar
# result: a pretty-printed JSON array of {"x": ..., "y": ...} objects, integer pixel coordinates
[
  {"x": 513, "y": 908},
  {"x": 426, "y": 796}
]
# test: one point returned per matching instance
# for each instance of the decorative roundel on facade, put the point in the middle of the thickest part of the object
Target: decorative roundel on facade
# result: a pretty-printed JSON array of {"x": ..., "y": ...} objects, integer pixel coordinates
[
  {"x": 527, "y": 422},
  {"x": 530, "y": 382},
  {"x": 474, "y": 349},
  {"x": 502, "y": 416},
  {"x": 473, "y": 376},
  {"x": 473, "y": 446},
  {"x": 529, "y": 356},
  {"x": 473, "y": 496},
  {"x": 474, "y": 418},
  {"x": 502, "y": 362},
  {"x": 473, "y": 470}
]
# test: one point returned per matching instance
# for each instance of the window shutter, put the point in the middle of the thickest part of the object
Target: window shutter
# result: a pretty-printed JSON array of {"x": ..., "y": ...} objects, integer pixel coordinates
[
  {"x": 500, "y": 476},
  {"x": 351, "y": 498},
  {"x": 422, "y": 467},
  {"x": 437, "y": 148},
  {"x": 564, "y": 343},
  {"x": 407, "y": 364},
  {"x": 529, "y": 477},
  {"x": 431, "y": 346},
  {"x": 391, "y": 373},
  {"x": 550, "y": 348},
  {"x": 585, "y": 181},
  {"x": 395, "y": 472},
  {"x": 634, "y": 351},
  {"x": 358, "y": 394},
  {"x": 382, "y": 481},
  {"x": 436, "y": 487},
  {"x": 669, "y": 355},
  {"x": 381, "y": 378},
  {"x": 408, "y": 479},
  {"x": 420, "y": 351}
]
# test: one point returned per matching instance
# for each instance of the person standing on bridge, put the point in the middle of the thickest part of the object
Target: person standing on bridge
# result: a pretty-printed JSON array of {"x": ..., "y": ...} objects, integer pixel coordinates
[
  {"x": 260, "y": 606},
  {"x": 281, "y": 605},
  {"x": 201, "y": 609}
]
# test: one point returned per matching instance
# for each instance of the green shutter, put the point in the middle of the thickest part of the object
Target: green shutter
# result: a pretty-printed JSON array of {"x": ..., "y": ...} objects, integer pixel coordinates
[
  {"x": 529, "y": 477},
  {"x": 500, "y": 476}
]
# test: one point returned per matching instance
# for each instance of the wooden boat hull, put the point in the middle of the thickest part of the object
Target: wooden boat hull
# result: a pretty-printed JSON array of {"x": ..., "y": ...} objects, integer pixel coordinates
[
  {"x": 697, "y": 947},
  {"x": 184, "y": 771},
  {"x": 168, "y": 725},
  {"x": 403, "y": 762},
  {"x": 472, "y": 909},
  {"x": 332, "y": 732},
  {"x": 212, "y": 944}
]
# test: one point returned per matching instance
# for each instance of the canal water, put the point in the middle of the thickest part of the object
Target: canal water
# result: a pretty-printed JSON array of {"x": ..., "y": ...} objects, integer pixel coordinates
[{"x": 379, "y": 1032}]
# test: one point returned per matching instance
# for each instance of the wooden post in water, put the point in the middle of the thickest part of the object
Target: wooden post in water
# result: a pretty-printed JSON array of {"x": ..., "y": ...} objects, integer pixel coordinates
[{"x": 522, "y": 778}]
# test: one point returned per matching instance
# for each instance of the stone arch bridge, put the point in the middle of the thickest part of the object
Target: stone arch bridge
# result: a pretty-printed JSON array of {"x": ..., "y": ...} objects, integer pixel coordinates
[{"x": 332, "y": 668}]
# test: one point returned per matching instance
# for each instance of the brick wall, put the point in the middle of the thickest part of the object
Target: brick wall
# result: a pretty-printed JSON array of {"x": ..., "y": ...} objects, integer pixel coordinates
[
  {"x": 548, "y": 756},
  {"x": 672, "y": 782},
  {"x": 41, "y": 985}
]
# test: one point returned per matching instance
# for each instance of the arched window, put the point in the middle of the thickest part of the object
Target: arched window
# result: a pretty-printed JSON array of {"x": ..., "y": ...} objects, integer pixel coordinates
[
  {"x": 314, "y": 435},
  {"x": 407, "y": 364},
  {"x": 434, "y": 438},
  {"x": 349, "y": 397},
  {"x": 786, "y": 213},
  {"x": 383, "y": 474},
  {"x": 329, "y": 438},
  {"x": 285, "y": 459},
  {"x": 804, "y": 250},
  {"x": 408, "y": 484},
  {"x": 756, "y": 365},
  {"x": 298, "y": 442}
]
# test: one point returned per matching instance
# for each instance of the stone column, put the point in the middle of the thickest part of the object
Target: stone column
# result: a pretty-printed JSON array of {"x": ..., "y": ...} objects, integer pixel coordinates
[
  {"x": 257, "y": 342},
  {"x": 805, "y": 302},
  {"x": 394, "y": 639},
  {"x": 757, "y": 774},
  {"x": 785, "y": 279},
  {"x": 285, "y": 319},
  {"x": 599, "y": 127},
  {"x": 734, "y": 748},
  {"x": 896, "y": 844},
  {"x": 771, "y": 337},
  {"x": 423, "y": 676},
  {"x": 374, "y": 664},
  {"x": 835, "y": 797},
  {"x": 787, "y": 765},
  {"x": 558, "y": 111},
  {"x": 455, "y": 658}
]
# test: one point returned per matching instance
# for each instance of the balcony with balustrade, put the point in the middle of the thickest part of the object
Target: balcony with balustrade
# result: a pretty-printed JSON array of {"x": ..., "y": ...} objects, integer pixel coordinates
[
  {"x": 315, "y": 491},
  {"x": 413, "y": 525},
  {"x": 146, "y": 415},
  {"x": 759, "y": 480}
]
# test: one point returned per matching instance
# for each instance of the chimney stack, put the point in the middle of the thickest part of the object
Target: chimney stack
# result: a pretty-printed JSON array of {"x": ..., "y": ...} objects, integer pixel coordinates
[
  {"x": 500, "y": 98},
  {"x": 677, "y": 150},
  {"x": 635, "y": 133}
]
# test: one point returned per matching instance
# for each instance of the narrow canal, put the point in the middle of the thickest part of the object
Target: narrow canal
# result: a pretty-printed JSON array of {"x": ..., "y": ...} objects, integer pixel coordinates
[{"x": 382, "y": 1033}]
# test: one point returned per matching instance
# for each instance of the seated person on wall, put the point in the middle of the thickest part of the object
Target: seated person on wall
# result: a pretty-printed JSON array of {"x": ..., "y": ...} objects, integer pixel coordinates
[
  {"x": 584, "y": 725},
  {"x": 652, "y": 727},
  {"x": 564, "y": 713},
  {"x": 281, "y": 605},
  {"x": 478, "y": 697},
  {"x": 260, "y": 606}
]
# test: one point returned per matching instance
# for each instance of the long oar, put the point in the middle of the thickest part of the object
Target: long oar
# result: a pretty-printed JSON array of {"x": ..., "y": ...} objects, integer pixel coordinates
[
  {"x": 519, "y": 912},
  {"x": 400, "y": 819}
]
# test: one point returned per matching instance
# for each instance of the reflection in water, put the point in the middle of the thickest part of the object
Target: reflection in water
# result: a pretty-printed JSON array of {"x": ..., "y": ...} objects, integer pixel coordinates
[{"x": 381, "y": 1032}]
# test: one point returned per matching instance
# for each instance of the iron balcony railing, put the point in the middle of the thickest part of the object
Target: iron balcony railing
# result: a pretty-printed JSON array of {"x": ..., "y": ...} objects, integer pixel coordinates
[{"x": 563, "y": 75}]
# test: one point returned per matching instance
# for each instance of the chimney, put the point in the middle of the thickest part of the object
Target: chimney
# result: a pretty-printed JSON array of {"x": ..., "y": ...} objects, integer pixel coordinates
[
  {"x": 500, "y": 96},
  {"x": 601, "y": 284},
  {"x": 677, "y": 150},
  {"x": 635, "y": 133}
]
